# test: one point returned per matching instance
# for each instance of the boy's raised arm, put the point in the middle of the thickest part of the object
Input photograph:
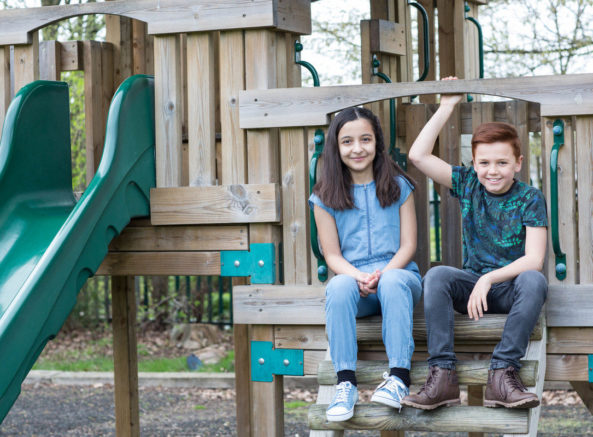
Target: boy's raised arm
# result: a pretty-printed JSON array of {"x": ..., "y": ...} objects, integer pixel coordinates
[{"x": 420, "y": 153}]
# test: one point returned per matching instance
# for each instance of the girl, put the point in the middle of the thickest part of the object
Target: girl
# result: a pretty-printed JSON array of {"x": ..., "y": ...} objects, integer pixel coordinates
[{"x": 364, "y": 210}]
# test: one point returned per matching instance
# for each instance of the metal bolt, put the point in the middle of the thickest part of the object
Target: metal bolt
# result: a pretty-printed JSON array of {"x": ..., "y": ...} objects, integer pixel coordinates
[
  {"x": 237, "y": 263},
  {"x": 286, "y": 362},
  {"x": 261, "y": 262},
  {"x": 261, "y": 361}
]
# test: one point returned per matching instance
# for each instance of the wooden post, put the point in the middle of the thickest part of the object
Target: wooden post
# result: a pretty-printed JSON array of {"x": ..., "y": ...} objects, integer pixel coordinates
[
  {"x": 429, "y": 6},
  {"x": 119, "y": 33},
  {"x": 517, "y": 115},
  {"x": 50, "y": 60},
  {"x": 202, "y": 109},
  {"x": 127, "y": 417},
  {"x": 450, "y": 151},
  {"x": 4, "y": 82},
  {"x": 451, "y": 34},
  {"x": 26, "y": 63},
  {"x": 475, "y": 397},
  {"x": 584, "y": 159},
  {"x": 168, "y": 111},
  {"x": 566, "y": 199}
]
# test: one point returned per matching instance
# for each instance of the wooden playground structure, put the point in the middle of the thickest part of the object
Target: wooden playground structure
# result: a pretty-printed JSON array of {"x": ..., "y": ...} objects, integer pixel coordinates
[{"x": 235, "y": 133}]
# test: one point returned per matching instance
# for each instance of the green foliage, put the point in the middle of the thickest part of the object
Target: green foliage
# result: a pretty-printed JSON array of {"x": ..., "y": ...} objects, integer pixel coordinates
[
  {"x": 75, "y": 81},
  {"x": 295, "y": 404},
  {"x": 199, "y": 407}
]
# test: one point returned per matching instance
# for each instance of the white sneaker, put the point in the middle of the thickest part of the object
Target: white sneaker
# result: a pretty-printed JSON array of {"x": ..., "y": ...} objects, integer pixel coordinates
[
  {"x": 390, "y": 392},
  {"x": 342, "y": 405}
]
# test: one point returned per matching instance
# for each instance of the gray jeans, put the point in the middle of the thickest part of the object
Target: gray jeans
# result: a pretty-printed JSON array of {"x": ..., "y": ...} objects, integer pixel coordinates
[{"x": 448, "y": 288}]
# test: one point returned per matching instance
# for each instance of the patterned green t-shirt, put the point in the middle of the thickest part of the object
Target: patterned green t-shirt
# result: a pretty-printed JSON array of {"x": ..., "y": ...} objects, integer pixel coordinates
[{"x": 494, "y": 225}]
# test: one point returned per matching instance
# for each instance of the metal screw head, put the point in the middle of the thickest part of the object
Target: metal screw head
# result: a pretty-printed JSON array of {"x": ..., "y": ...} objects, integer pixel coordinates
[
  {"x": 261, "y": 262},
  {"x": 261, "y": 361},
  {"x": 237, "y": 263},
  {"x": 286, "y": 362}
]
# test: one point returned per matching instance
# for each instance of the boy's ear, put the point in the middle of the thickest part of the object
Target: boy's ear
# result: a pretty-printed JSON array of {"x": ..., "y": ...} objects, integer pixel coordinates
[{"x": 518, "y": 164}]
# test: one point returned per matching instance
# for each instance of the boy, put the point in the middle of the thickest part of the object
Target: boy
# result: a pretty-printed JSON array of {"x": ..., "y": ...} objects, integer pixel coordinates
[{"x": 504, "y": 245}]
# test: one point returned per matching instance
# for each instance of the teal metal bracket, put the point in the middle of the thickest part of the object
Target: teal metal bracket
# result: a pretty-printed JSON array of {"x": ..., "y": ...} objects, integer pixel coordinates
[
  {"x": 590, "y": 367},
  {"x": 259, "y": 263},
  {"x": 560, "y": 261},
  {"x": 267, "y": 361}
]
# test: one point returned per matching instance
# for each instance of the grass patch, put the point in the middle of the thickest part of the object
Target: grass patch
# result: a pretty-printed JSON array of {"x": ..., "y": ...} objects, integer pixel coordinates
[
  {"x": 226, "y": 365},
  {"x": 199, "y": 407},
  {"x": 295, "y": 404}
]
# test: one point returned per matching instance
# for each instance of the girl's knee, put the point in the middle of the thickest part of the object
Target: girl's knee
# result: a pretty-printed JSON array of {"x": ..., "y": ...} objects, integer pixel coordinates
[
  {"x": 399, "y": 284},
  {"x": 341, "y": 289}
]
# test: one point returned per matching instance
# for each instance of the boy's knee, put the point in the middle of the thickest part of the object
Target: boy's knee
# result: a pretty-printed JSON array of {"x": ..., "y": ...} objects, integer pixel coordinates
[
  {"x": 532, "y": 283},
  {"x": 438, "y": 275}
]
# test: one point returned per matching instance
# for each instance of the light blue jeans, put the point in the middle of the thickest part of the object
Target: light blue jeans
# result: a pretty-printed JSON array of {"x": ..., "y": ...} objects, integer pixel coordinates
[{"x": 398, "y": 292}]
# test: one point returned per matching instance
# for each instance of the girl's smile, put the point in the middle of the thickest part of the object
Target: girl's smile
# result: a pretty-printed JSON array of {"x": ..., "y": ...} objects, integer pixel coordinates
[{"x": 356, "y": 141}]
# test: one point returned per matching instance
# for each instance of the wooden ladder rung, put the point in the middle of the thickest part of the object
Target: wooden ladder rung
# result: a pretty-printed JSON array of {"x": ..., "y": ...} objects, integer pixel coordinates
[
  {"x": 468, "y": 372},
  {"x": 446, "y": 419}
]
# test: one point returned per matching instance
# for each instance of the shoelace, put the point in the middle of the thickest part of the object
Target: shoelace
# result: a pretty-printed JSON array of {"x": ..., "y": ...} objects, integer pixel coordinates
[
  {"x": 430, "y": 380},
  {"x": 513, "y": 379},
  {"x": 342, "y": 392},
  {"x": 392, "y": 383}
]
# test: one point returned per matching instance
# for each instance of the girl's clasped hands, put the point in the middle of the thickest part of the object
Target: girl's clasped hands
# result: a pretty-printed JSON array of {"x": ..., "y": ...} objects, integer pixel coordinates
[{"x": 367, "y": 282}]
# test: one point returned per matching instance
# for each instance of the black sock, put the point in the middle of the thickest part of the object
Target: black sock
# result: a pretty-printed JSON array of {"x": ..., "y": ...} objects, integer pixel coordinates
[
  {"x": 401, "y": 373},
  {"x": 347, "y": 375}
]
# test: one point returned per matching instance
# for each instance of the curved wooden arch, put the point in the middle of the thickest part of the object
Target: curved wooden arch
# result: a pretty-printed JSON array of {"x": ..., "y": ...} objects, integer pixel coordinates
[
  {"x": 291, "y": 107},
  {"x": 165, "y": 16}
]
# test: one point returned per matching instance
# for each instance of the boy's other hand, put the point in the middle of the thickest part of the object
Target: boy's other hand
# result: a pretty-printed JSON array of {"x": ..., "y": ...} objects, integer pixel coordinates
[
  {"x": 450, "y": 99},
  {"x": 477, "y": 304}
]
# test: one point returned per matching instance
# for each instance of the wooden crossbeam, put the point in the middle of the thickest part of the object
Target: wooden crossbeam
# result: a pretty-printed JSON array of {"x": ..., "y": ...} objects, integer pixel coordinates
[
  {"x": 166, "y": 16},
  {"x": 160, "y": 263},
  {"x": 557, "y": 95}
]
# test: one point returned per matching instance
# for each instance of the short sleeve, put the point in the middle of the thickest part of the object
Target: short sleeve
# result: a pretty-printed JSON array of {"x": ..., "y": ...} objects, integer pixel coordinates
[
  {"x": 534, "y": 212},
  {"x": 315, "y": 200},
  {"x": 405, "y": 188},
  {"x": 459, "y": 179}
]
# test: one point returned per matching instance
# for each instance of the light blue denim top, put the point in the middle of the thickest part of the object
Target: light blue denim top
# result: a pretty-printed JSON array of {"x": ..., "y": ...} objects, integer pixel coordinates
[{"x": 369, "y": 233}]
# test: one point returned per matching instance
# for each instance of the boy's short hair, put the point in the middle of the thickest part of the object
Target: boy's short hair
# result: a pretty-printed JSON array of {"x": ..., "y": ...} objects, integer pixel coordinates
[{"x": 494, "y": 132}]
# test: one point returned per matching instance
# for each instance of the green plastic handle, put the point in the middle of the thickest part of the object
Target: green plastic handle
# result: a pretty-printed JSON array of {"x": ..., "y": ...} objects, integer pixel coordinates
[{"x": 558, "y": 142}]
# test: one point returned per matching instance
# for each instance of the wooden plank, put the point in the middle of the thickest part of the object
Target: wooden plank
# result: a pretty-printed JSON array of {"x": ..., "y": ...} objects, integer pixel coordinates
[
  {"x": 232, "y": 80},
  {"x": 451, "y": 38},
  {"x": 450, "y": 152},
  {"x": 267, "y": 406},
  {"x": 416, "y": 117},
  {"x": 567, "y": 212},
  {"x": 50, "y": 61},
  {"x": 26, "y": 63},
  {"x": 584, "y": 160},
  {"x": 168, "y": 111},
  {"x": 139, "y": 47},
  {"x": 4, "y": 82},
  {"x": 570, "y": 341},
  {"x": 71, "y": 55},
  {"x": 125, "y": 357},
  {"x": 171, "y": 16},
  {"x": 567, "y": 368},
  {"x": 429, "y": 6},
  {"x": 250, "y": 203},
  {"x": 184, "y": 110},
  {"x": 569, "y": 305},
  {"x": 180, "y": 238},
  {"x": 557, "y": 95},
  {"x": 119, "y": 33},
  {"x": 95, "y": 118},
  {"x": 201, "y": 106},
  {"x": 475, "y": 397},
  {"x": 387, "y": 37},
  {"x": 242, "y": 379},
  {"x": 585, "y": 391},
  {"x": 160, "y": 263},
  {"x": 468, "y": 372},
  {"x": 297, "y": 261},
  {"x": 517, "y": 116},
  {"x": 461, "y": 418}
]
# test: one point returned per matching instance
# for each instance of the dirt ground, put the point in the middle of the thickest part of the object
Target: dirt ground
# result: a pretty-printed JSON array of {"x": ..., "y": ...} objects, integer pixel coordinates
[{"x": 50, "y": 410}]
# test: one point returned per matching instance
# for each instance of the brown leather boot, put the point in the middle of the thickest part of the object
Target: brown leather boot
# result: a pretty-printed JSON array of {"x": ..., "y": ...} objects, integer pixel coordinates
[
  {"x": 505, "y": 389},
  {"x": 441, "y": 388}
]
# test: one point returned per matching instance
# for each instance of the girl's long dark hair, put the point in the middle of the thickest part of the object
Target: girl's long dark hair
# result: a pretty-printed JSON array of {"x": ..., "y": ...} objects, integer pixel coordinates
[{"x": 335, "y": 183}]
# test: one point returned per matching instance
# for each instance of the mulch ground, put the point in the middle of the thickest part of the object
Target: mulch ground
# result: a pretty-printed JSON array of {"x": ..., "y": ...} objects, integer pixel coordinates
[{"x": 50, "y": 410}]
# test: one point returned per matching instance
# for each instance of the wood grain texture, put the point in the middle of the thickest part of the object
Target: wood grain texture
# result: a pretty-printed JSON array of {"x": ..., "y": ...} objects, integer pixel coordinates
[
  {"x": 584, "y": 160},
  {"x": 387, "y": 37},
  {"x": 4, "y": 82},
  {"x": 570, "y": 340},
  {"x": 95, "y": 115},
  {"x": 567, "y": 367},
  {"x": 168, "y": 17},
  {"x": 251, "y": 203},
  {"x": 557, "y": 95},
  {"x": 180, "y": 238},
  {"x": 161, "y": 263},
  {"x": 26, "y": 63},
  {"x": 462, "y": 418},
  {"x": 50, "y": 62},
  {"x": 569, "y": 305}
]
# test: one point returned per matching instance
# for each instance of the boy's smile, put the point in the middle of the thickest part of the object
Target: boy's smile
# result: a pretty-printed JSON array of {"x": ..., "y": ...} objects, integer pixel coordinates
[
  {"x": 356, "y": 142},
  {"x": 496, "y": 165}
]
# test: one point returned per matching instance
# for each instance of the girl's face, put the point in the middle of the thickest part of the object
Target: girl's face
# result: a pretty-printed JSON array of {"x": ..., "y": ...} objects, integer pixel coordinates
[
  {"x": 496, "y": 165},
  {"x": 356, "y": 142}
]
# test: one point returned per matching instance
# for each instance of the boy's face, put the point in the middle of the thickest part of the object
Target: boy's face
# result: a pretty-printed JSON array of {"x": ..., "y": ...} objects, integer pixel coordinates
[{"x": 496, "y": 165}]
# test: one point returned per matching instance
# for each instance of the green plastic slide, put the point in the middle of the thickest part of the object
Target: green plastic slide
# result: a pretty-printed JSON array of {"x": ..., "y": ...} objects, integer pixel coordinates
[{"x": 49, "y": 243}]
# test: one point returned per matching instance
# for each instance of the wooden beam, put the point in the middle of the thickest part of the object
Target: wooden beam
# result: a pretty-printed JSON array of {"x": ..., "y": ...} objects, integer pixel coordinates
[
  {"x": 569, "y": 305},
  {"x": 172, "y": 16},
  {"x": 180, "y": 238},
  {"x": 584, "y": 163},
  {"x": 570, "y": 340},
  {"x": 50, "y": 62},
  {"x": 567, "y": 367},
  {"x": 4, "y": 82},
  {"x": 26, "y": 63},
  {"x": 125, "y": 357},
  {"x": 462, "y": 418},
  {"x": 387, "y": 37},
  {"x": 161, "y": 263},
  {"x": 95, "y": 118},
  {"x": 71, "y": 55},
  {"x": 250, "y": 203},
  {"x": 557, "y": 95},
  {"x": 585, "y": 391},
  {"x": 451, "y": 38}
]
